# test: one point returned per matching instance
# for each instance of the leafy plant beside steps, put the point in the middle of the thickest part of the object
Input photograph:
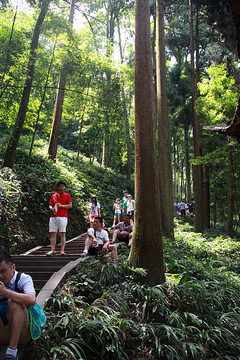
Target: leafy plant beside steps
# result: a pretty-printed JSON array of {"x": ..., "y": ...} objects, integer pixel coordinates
[{"x": 102, "y": 312}]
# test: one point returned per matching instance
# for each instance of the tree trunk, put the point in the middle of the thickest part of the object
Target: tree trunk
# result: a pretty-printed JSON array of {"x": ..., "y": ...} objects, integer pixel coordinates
[
  {"x": 207, "y": 198},
  {"x": 125, "y": 108},
  {"x": 187, "y": 163},
  {"x": 57, "y": 117},
  {"x": 42, "y": 101},
  {"x": 197, "y": 173},
  {"x": 17, "y": 130},
  {"x": 230, "y": 231},
  {"x": 146, "y": 251},
  {"x": 164, "y": 147}
]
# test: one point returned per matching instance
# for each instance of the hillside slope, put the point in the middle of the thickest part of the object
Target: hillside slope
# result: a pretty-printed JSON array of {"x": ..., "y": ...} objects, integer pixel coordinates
[{"x": 27, "y": 189}]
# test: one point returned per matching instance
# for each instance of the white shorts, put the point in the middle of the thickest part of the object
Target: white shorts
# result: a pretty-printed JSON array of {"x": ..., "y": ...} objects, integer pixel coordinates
[{"x": 58, "y": 224}]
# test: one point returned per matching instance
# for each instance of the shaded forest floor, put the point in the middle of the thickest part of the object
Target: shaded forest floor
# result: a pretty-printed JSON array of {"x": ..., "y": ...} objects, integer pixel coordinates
[{"x": 103, "y": 312}]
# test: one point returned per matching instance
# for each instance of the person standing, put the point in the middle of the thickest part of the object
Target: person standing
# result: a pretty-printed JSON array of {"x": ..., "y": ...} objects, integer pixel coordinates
[
  {"x": 124, "y": 203},
  {"x": 182, "y": 209},
  {"x": 59, "y": 204},
  {"x": 130, "y": 206},
  {"x": 94, "y": 210},
  {"x": 117, "y": 207},
  {"x": 16, "y": 293}
]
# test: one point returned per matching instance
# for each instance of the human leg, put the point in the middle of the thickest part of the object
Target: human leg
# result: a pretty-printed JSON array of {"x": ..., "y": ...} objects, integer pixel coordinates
[
  {"x": 113, "y": 249},
  {"x": 62, "y": 225},
  {"x": 53, "y": 240},
  {"x": 114, "y": 220},
  {"x": 14, "y": 329},
  {"x": 53, "y": 228},
  {"x": 63, "y": 240},
  {"x": 115, "y": 235},
  {"x": 130, "y": 240},
  {"x": 88, "y": 244}
]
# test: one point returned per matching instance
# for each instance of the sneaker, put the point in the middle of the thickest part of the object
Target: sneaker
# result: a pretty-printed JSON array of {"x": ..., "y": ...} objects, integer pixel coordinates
[
  {"x": 84, "y": 254},
  {"x": 10, "y": 357},
  {"x": 51, "y": 253},
  {"x": 63, "y": 253}
]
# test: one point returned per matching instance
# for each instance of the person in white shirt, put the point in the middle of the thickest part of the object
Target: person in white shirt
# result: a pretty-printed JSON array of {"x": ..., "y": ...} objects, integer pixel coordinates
[
  {"x": 130, "y": 206},
  {"x": 98, "y": 241},
  {"x": 14, "y": 319},
  {"x": 94, "y": 210}
]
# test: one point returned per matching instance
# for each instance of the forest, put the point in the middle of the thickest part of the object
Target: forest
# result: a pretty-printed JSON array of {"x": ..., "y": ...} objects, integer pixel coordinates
[{"x": 115, "y": 94}]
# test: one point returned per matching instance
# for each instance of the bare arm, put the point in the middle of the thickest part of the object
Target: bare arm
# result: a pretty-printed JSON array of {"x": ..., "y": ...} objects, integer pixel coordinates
[
  {"x": 105, "y": 247},
  {"x": 90, "y": 234},
  {"x": 24, "y": 299},
  {"x": 68, "y": 206}
]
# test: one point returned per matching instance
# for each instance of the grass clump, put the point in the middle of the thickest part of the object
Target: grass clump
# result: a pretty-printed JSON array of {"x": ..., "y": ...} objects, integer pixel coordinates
[{"x": 102, "y": 312}]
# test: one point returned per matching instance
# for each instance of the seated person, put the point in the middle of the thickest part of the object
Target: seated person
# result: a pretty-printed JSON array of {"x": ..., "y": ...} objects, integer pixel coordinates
[
  {"x": 98, "y": 240},
  {"x": 14, "y": 319},
  {"x": 123, "y": 230}
]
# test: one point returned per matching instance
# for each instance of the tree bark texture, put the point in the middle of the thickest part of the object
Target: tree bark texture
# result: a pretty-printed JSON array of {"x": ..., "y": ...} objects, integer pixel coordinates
[
  {"x": 146, "y": 249},
  {"x": 17, "y": 130},
  {"x": 164, "y": 147},
  {"x": 197, "y": 173}
]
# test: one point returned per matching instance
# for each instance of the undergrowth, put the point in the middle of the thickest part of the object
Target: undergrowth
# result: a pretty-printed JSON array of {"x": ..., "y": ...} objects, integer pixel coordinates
[
  {"x": 27, "y": 189},
  {"x": 102, "y": 312}
]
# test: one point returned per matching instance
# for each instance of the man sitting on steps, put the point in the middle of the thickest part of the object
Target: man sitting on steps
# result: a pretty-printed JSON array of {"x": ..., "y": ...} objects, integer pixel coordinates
[
  {"x": 15, "y": 294},
  {"x": 123, "y": 231},
  {"x": 98, "y": 241}
]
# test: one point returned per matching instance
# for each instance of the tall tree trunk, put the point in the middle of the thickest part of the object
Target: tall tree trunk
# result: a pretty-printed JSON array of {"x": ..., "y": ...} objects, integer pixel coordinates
[
  {"x": 230, "y": 231},
  {"x": 146, "y": 249},
  {"x": 17, "y": 130},
  {"x": 42, "y": 101},
  {"x": 187, "y": 163},
  {"x": 57, "y": 117},
  {"x": 197, "y": 173},
  {"x": 207, "y": 198},
  {"x": 125, "y": 108},
  {"x": 164, "y": 147}
]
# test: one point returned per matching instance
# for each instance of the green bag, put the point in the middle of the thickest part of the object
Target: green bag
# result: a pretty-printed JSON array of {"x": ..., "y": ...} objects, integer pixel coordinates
[{"x": 37, "y": 320}]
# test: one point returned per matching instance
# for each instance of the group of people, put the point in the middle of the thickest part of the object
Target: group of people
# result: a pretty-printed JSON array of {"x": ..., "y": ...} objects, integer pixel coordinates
[
  {"x": 17, "y": 291},
  {"x": 185, "y": 208},
  {"x": 97, "y": 235}
]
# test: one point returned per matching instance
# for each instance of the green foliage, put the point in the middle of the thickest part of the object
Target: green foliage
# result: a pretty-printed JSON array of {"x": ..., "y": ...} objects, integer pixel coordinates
[
  {"x": 29, "y": 186},
  {"x": 193, "y": 316},
  {"x": 218, "y": 95}
]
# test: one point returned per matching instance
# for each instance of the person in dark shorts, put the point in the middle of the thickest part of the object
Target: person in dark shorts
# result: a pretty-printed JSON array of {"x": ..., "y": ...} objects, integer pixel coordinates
[
  {"x": 16, "y": 293},
  {"x": 123, "y": 230},
  {"x": 98, "y": 241}
]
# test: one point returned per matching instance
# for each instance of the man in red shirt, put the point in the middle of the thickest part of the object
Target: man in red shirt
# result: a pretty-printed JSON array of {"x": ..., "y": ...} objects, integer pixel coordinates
[{"x": 59, "y": 204}]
